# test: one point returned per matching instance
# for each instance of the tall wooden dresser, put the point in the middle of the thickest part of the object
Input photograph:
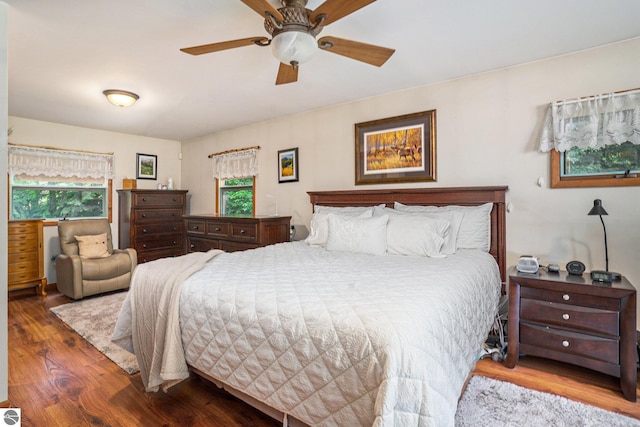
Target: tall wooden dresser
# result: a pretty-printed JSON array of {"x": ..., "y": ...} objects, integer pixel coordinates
[
  {"x": 25, "y": 255},
  {"x": 150, "y": 221}
]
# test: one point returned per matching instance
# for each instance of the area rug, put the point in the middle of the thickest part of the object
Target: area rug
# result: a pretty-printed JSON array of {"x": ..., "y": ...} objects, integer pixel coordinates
[
  {"x": 486, "y": 402},
  {"x": 94, "y": 319}
]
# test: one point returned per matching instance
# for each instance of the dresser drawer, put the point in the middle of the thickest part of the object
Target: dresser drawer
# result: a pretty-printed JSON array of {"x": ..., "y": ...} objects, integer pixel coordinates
[
  {"x": 195, "y": 226},
  {"x": 612, "y": 304},
  {"x": 217, "y": 228},
  {"x": 20, "y": 277},
  {"x": 27, "y": 266},
  {"x": 22, "y": 228},
  {"x": 195, "y": 244},
  {"x": 245, "y": 232},
  {"x": 152, "y": 215},
  {"x": 24, "y": 245},
  {"x": 582, "y": 345},
  {"x": 158, "y": 199},
  {"x": 146, "y": 256},
  {"x": 163, "y": 242},
  {"x": 17, "y": 257},
  {"x": 149, "y": 231},
  {"x": 585, "y": 319}
]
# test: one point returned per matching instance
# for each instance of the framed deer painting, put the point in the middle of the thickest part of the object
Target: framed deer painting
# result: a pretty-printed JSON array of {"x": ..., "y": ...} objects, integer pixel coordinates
[{"x": 396, "y": 149}]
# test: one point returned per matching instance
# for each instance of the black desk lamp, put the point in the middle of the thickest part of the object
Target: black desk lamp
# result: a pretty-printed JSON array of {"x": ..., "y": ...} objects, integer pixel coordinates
[{"x": 603, "y": 276}]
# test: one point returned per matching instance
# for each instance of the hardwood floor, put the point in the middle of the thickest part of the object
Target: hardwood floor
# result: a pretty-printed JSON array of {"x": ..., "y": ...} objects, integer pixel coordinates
[{"x": 58, "y": 379}]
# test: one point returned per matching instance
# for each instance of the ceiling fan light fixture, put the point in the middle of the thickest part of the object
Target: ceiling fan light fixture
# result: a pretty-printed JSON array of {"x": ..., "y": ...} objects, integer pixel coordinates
[
  {"x": 121, "y": 98},
  {"x": 294, "y": 47}
]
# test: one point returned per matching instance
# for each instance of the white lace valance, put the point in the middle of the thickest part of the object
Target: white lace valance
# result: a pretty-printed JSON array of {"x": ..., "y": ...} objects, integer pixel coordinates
[
  {"x": 235, "y": 164},
  {"x": 38, "y": 162},
  {"x": 592, "y": 122}
]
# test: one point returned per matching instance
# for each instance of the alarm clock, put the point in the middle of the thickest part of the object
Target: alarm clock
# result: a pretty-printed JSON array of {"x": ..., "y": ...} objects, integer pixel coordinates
[
  {"x": 605, "y": 276},
  {"x": 575, "y": 268},
  {"x": 528, "y": 264}
]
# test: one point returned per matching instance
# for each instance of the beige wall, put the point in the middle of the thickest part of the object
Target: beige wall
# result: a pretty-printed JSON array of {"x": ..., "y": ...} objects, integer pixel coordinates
[
  {"x": 124, "y": 147},
  {"x": 487, "y": 128}
]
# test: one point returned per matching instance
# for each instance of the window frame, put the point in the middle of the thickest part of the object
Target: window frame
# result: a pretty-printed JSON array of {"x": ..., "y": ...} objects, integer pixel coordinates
[
  {"x": 253, "y": 192},
  {"x": 605, "y": 180},
  {"x": 54, "y": 222}
]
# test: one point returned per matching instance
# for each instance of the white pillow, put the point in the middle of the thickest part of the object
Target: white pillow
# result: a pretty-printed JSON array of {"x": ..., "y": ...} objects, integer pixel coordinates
[
  {"x": 357, "y": 235},
  {"x": 475, "y": 229},
  {"x": 450, "y": 236},
  {"x": 416, "y": 235},
  {"x": 319, "y": 227}
]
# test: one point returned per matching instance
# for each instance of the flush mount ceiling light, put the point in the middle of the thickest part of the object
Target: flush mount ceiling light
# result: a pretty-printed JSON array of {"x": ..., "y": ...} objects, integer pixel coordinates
[{"x": 121, "y": 98}]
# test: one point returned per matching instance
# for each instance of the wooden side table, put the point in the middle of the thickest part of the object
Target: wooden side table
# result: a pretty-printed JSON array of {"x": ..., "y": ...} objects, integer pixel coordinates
[{"x": 574, "y": 320}]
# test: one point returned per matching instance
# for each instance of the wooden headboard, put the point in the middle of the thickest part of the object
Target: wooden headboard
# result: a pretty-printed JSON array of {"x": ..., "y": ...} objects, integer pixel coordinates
[{"x": 463, "y": 196}]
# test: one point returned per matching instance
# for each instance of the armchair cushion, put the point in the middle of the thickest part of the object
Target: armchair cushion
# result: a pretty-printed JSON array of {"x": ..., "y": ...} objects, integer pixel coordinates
[{"x": 93, "y": 246}]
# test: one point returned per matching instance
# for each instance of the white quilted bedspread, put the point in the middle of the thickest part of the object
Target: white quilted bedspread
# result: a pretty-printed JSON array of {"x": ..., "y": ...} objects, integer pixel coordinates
[{"x": 339, "y": 339}]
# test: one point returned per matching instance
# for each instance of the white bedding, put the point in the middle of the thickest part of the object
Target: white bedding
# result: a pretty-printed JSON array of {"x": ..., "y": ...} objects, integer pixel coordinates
[{"x": 342, "y": 339}]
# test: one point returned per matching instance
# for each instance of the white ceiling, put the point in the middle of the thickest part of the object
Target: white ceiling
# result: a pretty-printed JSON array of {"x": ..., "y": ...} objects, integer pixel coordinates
[{"x": 64, "y": 53}]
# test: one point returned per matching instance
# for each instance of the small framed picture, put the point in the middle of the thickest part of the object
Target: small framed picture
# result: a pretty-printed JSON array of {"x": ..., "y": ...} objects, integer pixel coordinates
[
  {"x": 288, "y": 165},
  {"x": 147, "y": 166}
]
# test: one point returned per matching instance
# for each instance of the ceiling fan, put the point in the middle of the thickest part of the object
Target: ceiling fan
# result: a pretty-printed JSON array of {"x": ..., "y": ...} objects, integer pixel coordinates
[{"x": 293, "y": 29}]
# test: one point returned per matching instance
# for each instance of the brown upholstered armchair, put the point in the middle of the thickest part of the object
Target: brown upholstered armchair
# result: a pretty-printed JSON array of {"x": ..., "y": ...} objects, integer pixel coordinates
[{"x": 88, "y": 264}]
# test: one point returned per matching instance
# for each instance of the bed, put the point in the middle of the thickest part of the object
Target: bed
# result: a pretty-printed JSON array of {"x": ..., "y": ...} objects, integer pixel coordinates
[{"x": 322, "y": 334}]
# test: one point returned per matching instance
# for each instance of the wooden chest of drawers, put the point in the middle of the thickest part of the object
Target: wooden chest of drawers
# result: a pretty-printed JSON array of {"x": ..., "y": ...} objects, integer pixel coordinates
[
  {"x": 25, "y": 255},
  {"x": 568, "y": 318},
  {"x": 150, "y": 221},
  {"x": 205, "y": 232}
]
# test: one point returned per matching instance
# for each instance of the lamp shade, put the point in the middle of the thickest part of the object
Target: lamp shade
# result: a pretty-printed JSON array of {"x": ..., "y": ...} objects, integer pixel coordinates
[
  {"x": 597, "y": 208},
  {"x": 294, "y": 47},
  {"x": 121, "y": 98}
]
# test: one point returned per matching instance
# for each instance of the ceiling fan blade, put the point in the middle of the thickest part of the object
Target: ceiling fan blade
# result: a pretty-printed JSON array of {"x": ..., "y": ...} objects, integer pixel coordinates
[
  {"x": 215, "y": 47},
  {"x": 336, "y": 9},
  {"x": 286, "y": 74},
  {"x": 262, "y": 7},
  {"x": 371, "y": 54}
]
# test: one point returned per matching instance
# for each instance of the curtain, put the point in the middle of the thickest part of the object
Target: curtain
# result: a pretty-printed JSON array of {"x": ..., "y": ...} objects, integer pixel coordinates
[
  {"x": 236, "y": 164},
  {"x": 38, "y": 162},
  {"x": 592, "y": 122}
]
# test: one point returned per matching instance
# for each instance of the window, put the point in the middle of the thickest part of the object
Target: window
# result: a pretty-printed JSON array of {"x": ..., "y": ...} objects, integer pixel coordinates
[
  {"x": 52, "y": 183},
  {"x": 609, "y": 166},
  {"x": 594, "y": 141},
  {"x": 58, "y": 198},
  {"x": 236, "y": 196}
]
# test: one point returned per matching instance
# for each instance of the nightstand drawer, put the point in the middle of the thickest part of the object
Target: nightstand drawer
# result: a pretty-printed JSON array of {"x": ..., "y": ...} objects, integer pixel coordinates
[
  {"x": 570, "y": 316},
  {"x": 572, "y": 298},
  {"x": 564, "y": 342}
]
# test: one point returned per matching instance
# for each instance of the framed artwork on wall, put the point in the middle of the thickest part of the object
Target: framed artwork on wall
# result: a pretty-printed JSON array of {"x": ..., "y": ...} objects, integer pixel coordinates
[
  {"x": 396, "y": 149},
  {"x": 147, "y": 166},
  {"x": 288, "y": 165}
]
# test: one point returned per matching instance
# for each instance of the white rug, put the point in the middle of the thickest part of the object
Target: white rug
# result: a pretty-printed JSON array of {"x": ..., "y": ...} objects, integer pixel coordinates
[
  {"x": 488, "y": 402},
  {"x": 94, "y": 319}
]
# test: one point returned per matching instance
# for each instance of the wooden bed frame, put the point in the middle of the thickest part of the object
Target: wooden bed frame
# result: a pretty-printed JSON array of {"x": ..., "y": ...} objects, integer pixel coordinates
[{"x": 463, "y": 196}]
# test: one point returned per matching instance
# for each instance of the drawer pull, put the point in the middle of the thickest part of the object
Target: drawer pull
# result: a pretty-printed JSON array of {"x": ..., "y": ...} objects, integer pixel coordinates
[
  {"x": 173, "y": 214},
  {"x": 565, "y": 316},
  {"x": 175, "y": 243},
  {"x": 144, "y": 215},
  {"x": 144, "y": 245},
  {"x": 565, "y": 343},
  {"x": 174, "y": 199},
  {"x": 175, "y": 228},
  {"x": 144, "y": 230},
  {"x": 217, "y": 229},
  {"x": 242, "y": 231},
  {"x": 144, "y": 199},
  {"x": 566, "y": 297},
  {"x": 192, "y": 246},
  {"x": 195, "y": 227}
]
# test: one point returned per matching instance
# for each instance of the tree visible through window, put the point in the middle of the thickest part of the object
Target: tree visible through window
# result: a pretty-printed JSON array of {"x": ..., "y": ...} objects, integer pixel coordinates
[
  {"x": 236, "y": 197},
  {"x": 58, "y": 199},
  {"x": 611, "y": 159}
]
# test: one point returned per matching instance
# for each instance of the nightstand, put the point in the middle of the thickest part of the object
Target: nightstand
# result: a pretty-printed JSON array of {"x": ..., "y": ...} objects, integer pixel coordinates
[{"x": 571, "y": 319}]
